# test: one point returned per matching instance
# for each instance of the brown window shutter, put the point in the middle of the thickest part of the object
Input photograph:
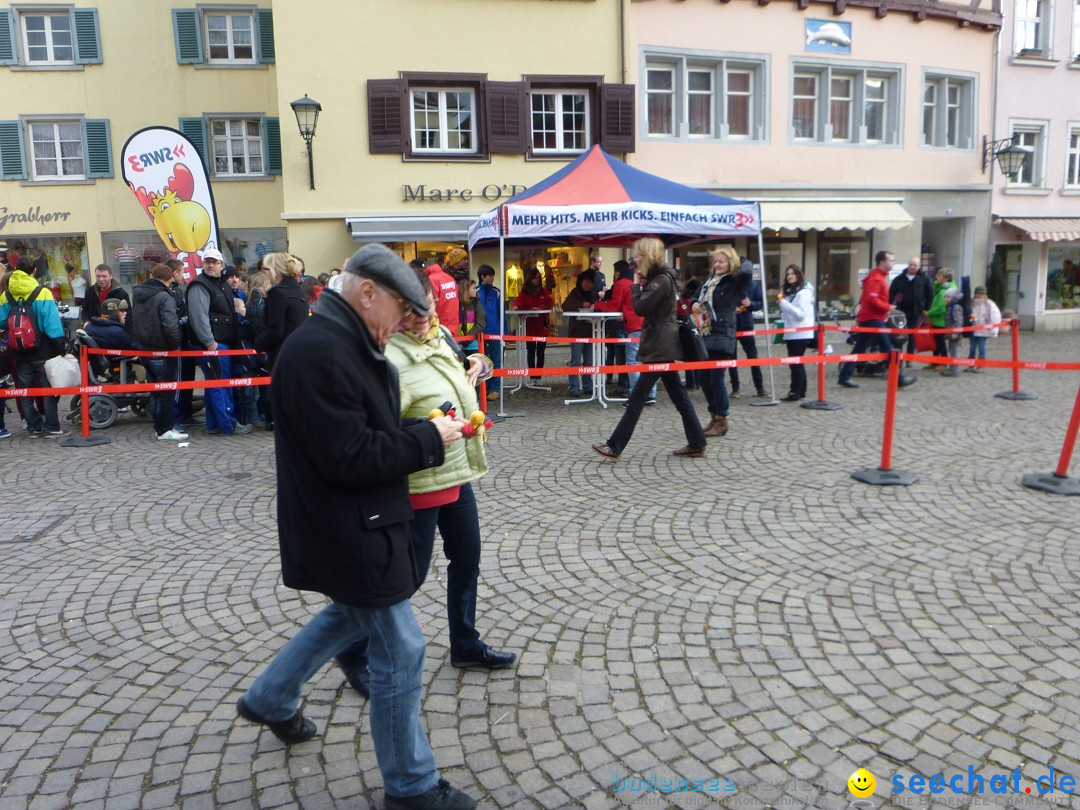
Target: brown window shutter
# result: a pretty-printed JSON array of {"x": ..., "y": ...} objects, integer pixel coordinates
[
  {"x": 506, "y": 121},
  {"x": 617, "y": 118},
  {"x": 386, "y": 116}
]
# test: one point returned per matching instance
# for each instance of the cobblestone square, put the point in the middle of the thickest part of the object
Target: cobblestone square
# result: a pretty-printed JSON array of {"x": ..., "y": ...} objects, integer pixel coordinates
[{"x": 755, "y": 616}]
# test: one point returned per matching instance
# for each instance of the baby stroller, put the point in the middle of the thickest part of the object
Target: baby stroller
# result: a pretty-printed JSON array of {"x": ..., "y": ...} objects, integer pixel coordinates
[
  {"x": 896, "y": 320},
  {"x": 102, "y": 370}
]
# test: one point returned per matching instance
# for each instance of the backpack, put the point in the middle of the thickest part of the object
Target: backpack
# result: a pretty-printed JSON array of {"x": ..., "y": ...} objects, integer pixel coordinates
[{"x": 22, "y": 326}]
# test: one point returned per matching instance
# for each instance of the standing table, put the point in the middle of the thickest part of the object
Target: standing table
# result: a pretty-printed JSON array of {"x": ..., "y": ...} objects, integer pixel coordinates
[
  {"x": 521, "y": 316},
  {"x": 597, "y": 320}
]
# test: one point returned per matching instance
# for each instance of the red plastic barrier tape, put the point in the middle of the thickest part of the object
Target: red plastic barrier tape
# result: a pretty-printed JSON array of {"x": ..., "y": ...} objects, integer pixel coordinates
[
  {"x": 963, "y": 361},
  {"x": 702, "y": 365},
  {"x": 920, "y": 330},
  {"x": 131, "y": 388},
  {"x": 190, "y": 353}
]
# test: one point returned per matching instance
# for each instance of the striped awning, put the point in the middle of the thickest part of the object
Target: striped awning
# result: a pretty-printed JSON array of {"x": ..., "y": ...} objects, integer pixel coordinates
[
  {"x": 1045, "y": 229},
  {"x": 821, "y": 215}
]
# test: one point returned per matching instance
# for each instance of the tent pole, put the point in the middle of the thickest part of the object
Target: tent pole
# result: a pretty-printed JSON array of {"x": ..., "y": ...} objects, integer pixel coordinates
[
  {"x": 765, "y": 309},
  {"x": 502, "y": 321}
]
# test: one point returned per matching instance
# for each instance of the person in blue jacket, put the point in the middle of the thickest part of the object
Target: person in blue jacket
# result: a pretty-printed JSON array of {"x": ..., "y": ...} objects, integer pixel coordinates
[
  {"x": 30, "y": 364},
  {"x": 488, "y": 294}
]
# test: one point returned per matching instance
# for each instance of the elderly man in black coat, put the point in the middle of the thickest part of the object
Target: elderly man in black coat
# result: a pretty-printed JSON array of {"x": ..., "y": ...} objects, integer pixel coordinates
[{"x": 343, "y": 458}]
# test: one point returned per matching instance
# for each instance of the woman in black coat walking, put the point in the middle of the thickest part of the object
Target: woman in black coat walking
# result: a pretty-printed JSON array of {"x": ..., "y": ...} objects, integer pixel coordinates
[
  {"x": 654, "y": 298},
  {"x": 286, "y": 309}
]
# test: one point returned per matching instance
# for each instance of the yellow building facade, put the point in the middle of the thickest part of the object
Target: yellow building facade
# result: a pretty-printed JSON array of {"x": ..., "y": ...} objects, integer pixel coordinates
[{"x": 79, "y": 79}]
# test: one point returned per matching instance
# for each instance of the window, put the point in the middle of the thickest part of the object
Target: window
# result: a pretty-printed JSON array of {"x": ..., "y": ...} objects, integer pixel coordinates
[
  {"x": 1033, "y": 137},
  {"x": 238, "y": 146},
  {"x": 862, "y": 105},
  {"x": 660, "y": 100},
  {"x": 49, "y": 38},
  {"x": 443, "y": 120},
  {"x": 699, "y": 97},
  {"x": 1076, "y": 31},
  {"x": 948, "y": 111},
  {"x": 560, "y": 121},
  {"x": 1072, "y": 175},
  {"x": 63, "y": 149},
  {"x": 229, "y": 37},
  {"x": 1031, "y": 28},
  {"x": 240, "y": 36}
]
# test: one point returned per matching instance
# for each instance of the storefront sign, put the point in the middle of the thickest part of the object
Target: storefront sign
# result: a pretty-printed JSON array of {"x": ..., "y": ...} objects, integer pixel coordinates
[
  {"x": 33, "y": 214},
  {"x": 490, "y": 192}
]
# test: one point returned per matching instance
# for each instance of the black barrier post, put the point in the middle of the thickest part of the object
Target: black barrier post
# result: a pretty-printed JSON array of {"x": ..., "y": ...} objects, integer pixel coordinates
[
  {"x": 884, "y": 475},
  {"x": 820, "y": 404}
]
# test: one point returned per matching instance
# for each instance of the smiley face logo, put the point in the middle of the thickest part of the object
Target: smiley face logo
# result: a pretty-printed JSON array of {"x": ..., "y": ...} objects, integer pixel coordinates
[{"x": 862, "y": 783}]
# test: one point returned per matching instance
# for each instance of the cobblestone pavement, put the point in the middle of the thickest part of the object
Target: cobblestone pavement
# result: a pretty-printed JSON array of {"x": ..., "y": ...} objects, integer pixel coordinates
[{"x": 755, "y": 616}]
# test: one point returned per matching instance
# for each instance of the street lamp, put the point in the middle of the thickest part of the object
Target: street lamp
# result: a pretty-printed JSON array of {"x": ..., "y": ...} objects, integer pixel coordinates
[
  {"x": 1010, "y": 155},
  {"x": 307, "y": 118}
]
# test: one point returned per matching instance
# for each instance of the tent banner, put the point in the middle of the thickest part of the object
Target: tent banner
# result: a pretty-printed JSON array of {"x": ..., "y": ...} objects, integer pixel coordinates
[
  {"x": 630, "y": 217},
  {"x": 486, "y": 227},
  {"x": 165, "y": 173}
]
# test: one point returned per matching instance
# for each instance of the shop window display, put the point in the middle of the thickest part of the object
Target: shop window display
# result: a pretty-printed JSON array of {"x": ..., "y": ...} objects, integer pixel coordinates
[
  {"x": 52, "y": 255},
  {"x": 128, "y": 252},
  {"x": 1063, "y": 277},
  {"x": 840, "y": 260}
]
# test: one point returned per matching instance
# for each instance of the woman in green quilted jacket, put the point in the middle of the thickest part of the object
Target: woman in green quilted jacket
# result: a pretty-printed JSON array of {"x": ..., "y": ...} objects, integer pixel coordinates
[{"x": 937, "y": 313}]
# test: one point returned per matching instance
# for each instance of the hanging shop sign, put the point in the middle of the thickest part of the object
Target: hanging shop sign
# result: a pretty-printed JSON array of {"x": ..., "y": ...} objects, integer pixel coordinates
[
  {"x": 490, "y": 192},
  {"x": 33, "y": 214}
]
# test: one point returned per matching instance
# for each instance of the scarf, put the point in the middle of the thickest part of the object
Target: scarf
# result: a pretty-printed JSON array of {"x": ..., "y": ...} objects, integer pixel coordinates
[{"x": 433, "y": 335}]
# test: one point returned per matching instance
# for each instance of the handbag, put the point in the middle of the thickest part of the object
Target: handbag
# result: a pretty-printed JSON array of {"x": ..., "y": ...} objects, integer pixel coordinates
[
  {"x": 923, "y": 341},
  {"x": 62, "y": 371},
  {"x": 720, "y": 344},
  {"x": 693, "y": 345}
]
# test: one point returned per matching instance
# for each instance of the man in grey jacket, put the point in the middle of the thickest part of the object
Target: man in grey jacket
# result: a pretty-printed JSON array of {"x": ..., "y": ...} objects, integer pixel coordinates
[{"x": 156, "y": 326}]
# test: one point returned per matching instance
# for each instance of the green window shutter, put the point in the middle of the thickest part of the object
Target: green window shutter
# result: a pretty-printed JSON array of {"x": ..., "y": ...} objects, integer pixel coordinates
[
  {"x": 272, "y": 145},
  {"x": 98, "y": 147},
  {"x": 12, "y": 152},
  {"x": 264, "y": 23},
  {"x": 194, "y": 130},
  {"x": 84, "y": 22},
  {"x": 8, "y": 56},
  {"x": 187, "y": 31}
]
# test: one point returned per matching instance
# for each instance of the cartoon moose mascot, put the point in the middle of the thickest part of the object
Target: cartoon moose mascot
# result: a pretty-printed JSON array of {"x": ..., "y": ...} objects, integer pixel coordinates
[{"x": 182, "y": 223}]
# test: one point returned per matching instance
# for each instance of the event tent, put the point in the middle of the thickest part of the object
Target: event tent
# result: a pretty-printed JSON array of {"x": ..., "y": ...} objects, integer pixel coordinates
[{"x": 599, "y": 201}]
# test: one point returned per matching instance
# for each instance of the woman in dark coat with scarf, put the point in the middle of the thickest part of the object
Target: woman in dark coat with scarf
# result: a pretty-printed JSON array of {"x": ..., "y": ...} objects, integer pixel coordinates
[
  {"x": 286, "y": 309},
  {"x": 654, "y": 298},
  {"x": 719, "y": 296}
]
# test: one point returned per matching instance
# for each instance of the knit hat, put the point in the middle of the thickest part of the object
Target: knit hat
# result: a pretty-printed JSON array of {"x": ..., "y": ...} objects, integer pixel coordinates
[
  {"x": 455, "y": 255},
  {"x": 112, "y": 307}
]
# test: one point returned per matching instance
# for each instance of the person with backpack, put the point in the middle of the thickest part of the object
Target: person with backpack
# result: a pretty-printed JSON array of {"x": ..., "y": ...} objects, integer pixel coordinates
[{"x": 34, "y": 334}]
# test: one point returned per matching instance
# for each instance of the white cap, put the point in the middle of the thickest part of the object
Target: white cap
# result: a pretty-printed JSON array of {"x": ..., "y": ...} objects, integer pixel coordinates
[{"x": 213, "y": 253}]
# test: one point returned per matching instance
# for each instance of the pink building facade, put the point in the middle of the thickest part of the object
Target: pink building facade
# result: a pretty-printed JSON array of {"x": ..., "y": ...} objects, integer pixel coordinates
[{"x": 857, "y": 125}]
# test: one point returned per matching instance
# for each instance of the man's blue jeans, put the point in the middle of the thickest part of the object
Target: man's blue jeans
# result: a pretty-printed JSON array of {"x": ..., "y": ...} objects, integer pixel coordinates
[
  {"x": 396, "y": 660},
  {"x": 631, "y": 360},
  {"x": 581, "y": 354}
]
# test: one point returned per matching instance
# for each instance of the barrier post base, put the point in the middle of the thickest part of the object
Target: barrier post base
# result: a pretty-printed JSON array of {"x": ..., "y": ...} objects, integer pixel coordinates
[
  {"x": 821, "y": 405},
  {"x": 875, "y": 476},
  {"x": 84, "y": 441},
  {"x": 1052, "y": 482},
  {"x": 759, "y": 404},
  {"x": 1016, "y": 395}
]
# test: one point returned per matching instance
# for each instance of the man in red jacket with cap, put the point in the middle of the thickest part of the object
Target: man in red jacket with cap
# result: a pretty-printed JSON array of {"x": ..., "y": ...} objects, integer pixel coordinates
[
  {"x": 874, "y": 309},
  {"x": 446, "y": 297}
]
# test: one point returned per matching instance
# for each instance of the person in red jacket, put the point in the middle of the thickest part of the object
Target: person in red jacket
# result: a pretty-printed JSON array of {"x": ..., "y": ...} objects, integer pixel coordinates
[
  {"x": 446, "y": 297},
  {"x": 619, "y": 301},
  {"x": 874, "y": 309},
  {"x": 534, "y": 296}
]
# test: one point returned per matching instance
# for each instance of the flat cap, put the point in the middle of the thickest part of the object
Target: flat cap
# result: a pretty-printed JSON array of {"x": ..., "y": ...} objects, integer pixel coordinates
[{"x": 383, "y": 266}]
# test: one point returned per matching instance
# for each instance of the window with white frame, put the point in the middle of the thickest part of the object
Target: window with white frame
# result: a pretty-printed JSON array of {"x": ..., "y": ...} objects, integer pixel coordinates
[
  {"x": 1076, "y": 31},
  {"x": 237, "y": 147},
  {"x": 831, "y": 104},
  {"x": 1033, "y": 137},
  {"x": 698, "y": 97},
  {"x": 56, "y": 150},
  {"x": 443, "y": 120},
  {"x": 560, "y": 121},
  {"x": 660, "y": 99},
  {"x": 948, "y": 111},
  {"x": 47, "y": 38},
  {"x": 1031, "y": 27},
  {"x": 1072, "y": 174},
  {"x": 230, "y": 37}
]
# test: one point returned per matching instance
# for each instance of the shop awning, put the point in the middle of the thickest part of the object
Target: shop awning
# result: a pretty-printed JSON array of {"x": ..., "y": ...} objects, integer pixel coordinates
[
  {"x": 814, "y": 215},
  {"x": 1064, "y": 229},
  {"x": 410, "y": 229}
]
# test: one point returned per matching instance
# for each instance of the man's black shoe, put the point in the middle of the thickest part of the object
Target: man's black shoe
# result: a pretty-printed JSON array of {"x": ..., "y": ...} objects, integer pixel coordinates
[
  {"x": 485, "y": 658},
  {"x": 906, "y": 379},
  {"x": 359, "y": 678},
  {"x": 848, "y": 384},
  {"x": 294, "y": 730},
  {"x": 440, "y": 797}
]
